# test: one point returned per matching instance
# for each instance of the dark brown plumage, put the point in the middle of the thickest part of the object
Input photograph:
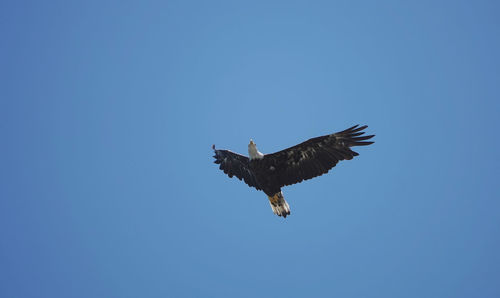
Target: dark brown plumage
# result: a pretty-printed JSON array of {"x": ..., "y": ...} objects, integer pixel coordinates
[{"x": 312, "y": 158}]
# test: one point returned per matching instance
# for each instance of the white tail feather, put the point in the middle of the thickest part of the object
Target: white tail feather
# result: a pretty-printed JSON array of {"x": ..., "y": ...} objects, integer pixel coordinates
[{"x": 279, "y": 205}]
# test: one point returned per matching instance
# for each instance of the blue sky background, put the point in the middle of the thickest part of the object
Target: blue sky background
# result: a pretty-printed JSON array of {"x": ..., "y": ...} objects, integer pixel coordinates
[{"x": 108, "y": 111}]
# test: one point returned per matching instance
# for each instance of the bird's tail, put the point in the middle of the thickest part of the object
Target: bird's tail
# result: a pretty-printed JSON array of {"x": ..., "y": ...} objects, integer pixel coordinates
[{"x": 279, "y": 205}]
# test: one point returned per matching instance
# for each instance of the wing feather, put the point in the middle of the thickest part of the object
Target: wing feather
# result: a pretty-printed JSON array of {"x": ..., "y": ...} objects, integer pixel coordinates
[
  {"x": 316, "y": 156},
  {"x": 234, "y": 164}
]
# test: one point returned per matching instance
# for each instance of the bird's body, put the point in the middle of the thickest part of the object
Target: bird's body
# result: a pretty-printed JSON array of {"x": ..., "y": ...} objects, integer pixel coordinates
[{"x": 270, "y": 172}]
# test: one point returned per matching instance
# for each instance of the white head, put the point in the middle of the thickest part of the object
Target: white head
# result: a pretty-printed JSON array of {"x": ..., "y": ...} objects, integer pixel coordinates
[{"x": 253, "y": 153}]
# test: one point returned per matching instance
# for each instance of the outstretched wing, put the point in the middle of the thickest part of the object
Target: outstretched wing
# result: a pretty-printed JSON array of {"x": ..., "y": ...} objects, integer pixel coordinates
[
  {"x": 316, "y": 156},
  {"x": 234, "y": 164}
]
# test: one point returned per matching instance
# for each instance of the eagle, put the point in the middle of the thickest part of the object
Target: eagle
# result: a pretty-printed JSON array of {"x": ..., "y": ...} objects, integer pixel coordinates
[{"x": 309, "y": 159}]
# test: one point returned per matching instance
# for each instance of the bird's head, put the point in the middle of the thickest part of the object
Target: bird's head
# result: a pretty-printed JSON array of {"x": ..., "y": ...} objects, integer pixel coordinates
[
  {"x": 253, "y": 153},
  {"x": 252, "y": 146}
]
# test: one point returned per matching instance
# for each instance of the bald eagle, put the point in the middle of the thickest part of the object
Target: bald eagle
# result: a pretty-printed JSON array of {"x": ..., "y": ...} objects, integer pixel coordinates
[{"x": 270, "y": 172}]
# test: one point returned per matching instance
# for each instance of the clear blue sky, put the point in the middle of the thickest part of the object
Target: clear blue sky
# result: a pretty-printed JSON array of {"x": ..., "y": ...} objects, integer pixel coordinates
[{"x": 108, "y": 110}]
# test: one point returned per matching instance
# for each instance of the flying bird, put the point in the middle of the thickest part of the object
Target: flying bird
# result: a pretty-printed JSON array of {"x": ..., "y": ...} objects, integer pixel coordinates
[{"x": 271, "y": 172}]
